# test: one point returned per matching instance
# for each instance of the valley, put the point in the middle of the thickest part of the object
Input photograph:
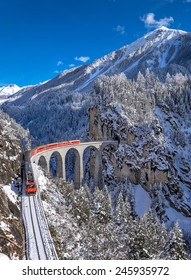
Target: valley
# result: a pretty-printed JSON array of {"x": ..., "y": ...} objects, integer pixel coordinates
[{"x": 139, "y": 97}]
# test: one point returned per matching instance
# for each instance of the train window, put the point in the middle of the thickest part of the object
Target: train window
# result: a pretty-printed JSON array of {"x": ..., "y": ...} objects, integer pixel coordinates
[{"x": 31, "y": 186}]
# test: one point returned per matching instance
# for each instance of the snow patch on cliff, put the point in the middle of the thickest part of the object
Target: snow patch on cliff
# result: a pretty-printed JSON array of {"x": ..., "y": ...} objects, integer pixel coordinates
[
  {"x": 142, "y": 200},
  {"x": 11, "y": 192}
]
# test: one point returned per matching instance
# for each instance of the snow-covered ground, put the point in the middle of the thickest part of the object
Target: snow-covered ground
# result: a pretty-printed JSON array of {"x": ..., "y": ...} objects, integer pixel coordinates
[
  {"x": 11, "y": 192},
  {"x": 143, "y": 204},
  {"x": 142, "y": 200},
  {"x": 184, "y": 222}
]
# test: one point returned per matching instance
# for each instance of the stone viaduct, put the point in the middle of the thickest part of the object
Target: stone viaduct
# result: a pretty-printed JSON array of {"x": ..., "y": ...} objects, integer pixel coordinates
[{"x": 43, "y": 159}]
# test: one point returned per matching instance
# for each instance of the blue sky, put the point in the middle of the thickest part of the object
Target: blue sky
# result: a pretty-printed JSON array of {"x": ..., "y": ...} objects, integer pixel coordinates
[{"x": 41, "y": 38}]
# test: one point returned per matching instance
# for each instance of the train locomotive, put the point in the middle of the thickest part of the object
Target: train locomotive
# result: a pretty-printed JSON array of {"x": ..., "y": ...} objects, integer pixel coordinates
[{"x": 31, "y": 186}]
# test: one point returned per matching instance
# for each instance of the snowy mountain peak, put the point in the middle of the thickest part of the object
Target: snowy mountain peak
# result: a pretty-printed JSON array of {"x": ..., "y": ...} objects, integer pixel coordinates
[
  {"x": 8, "y": 90},
  {"x": 163, "y": 33},
  {"x": 165, "y": 29}
]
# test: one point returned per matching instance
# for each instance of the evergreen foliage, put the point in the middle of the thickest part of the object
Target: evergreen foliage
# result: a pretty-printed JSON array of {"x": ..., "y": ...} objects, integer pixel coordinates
[
  {"x": 176, "y": 247},
  {"x": 139, "y": 97},
  {"x": 102, "y": 232}
]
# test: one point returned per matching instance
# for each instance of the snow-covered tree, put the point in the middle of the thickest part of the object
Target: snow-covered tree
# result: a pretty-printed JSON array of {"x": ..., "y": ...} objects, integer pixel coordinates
[
  {"x": 148, "y": 238},
  {"x": 176, "y": 247}
]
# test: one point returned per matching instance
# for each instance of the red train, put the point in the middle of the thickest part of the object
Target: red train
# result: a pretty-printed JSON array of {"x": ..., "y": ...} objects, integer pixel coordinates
[
  {"x": 30, "y": 183},
  {"x": 53, "y": 146},
  {"x": 31, "y": 186}
]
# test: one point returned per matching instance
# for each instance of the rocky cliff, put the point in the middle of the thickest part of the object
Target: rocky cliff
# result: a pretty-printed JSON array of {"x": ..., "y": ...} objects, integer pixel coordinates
[
  {"x": 154, "y": 146},
  {"x": 11, "y": 228}
]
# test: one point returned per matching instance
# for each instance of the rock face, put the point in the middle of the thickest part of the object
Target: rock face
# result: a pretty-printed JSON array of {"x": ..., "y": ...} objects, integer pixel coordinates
[
  {"x": 143, "y": 172},
  {"x": 11, "y": 228},
  {"x": 12, "y": 137},
  {"x": 10, "y": 157},
  {"x": 154, "y": 140}
]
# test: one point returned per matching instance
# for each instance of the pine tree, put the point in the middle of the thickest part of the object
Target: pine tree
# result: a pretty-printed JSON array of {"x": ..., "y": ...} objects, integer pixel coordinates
[
  {"x": 100, "y": 238},
  {"x": 137, "y": 238},
  {"x": 148, "y": 238},
  {"x": 155, "y": 236},
  {"x": 123, "y": 220},
  {"x": 176, "y": 248}
]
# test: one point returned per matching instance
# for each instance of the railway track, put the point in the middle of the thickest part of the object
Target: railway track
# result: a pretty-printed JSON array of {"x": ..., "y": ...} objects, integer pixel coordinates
[
  {"x": 39, "y": 243},
  {"x": 35, "y": 246},
  {"x": 38, "y": 246}
]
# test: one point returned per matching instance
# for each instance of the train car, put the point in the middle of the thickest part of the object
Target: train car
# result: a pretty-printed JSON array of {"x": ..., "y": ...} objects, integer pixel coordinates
[
  {"x": 73, "y": 142},
  {"x": 52, "y": 146},
  {"x": 41, "y": 149},
  {"x": 33, "y": 153},
  {"x": 30, "y": 185},
  {"x": 30, "y": 188},
  {"x": 62, "y": 144}
]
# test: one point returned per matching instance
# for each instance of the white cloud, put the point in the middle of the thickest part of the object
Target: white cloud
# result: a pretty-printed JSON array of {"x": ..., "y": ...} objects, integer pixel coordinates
[
  {"x": 60, "y": 63},
  {"x": 82, "y": 58},
  {"x": 71, "y": 65},
  {"x": 57, "y": 71},
  {"x": 120, "y": 29},
  {"x": 150, "y": 21}
]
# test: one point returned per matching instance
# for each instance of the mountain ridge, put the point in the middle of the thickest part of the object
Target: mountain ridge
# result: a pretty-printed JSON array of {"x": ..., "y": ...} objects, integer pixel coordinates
[{"x": 162, "y": 50}]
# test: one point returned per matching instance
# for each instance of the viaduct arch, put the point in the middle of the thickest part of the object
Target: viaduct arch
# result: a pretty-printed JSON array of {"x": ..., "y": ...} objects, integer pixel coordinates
[{"x": 43, "y": 159}]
